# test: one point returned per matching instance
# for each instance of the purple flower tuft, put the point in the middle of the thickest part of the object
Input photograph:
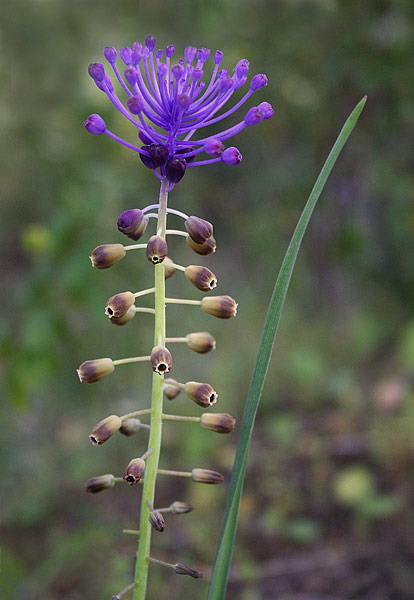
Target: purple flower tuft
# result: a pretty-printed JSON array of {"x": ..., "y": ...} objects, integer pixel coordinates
[
  {"x": 254, "y": 116},
  {"x": 189, "y": 54},
  {"x": 169, "y": 51},
  {"x": 126, "y": 55},
  {"x": 266, "y": 109},
  {"x": 231, "y": 156},
  {"x": 218, "y": 57},
  {"x": 134, "y": 104},
  {"x": 110, "y": 54},
  {"x": 241, "y": 68},
  {"x": 214, "y": 147},
  {"x": 130, "y": 75},
  {"x": 95, "y": 124},
  {"x": 150, "y": 42}
]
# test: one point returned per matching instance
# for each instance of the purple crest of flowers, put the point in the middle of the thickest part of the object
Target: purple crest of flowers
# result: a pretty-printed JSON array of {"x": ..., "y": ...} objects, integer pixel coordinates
[{"x": 169, "y": 104}]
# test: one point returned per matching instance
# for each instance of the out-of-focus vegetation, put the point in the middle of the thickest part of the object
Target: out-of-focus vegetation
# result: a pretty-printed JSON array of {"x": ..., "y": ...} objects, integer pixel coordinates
[{"x": 326, "y": 505}]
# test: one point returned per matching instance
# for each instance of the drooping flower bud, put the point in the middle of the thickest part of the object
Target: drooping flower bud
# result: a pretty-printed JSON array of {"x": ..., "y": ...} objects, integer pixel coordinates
[
  {"x": 175, "y": 169},
  {"x": 105, "y": 429},
  {"x": 258, "y": 82},
  {"x": 201, "y": 277},
  {"x": 222, "y": 307},
  {"x": 159, "y": 154},
  {"x": 201, "y": 393},
  {"x": 135, "y": 104},
  {"x": 96, "y": 71},
  {"x": 118, "y": 305},
  {"x": 132, "y": 223},
  {"x": 219, "y": 422},
  {"x": 198, "y": 229},
  {"x": 130, "y": 426},
  {"x": 91, "y": 371},
  {"x": 157, "y": 520},
  {"x": 206, "y": 476},
  {"x": 171, "y": 389},
  {"x": 180, "y": 508},
  {"x": 169, "y": 269},
  {"x": 98, "y": 484},
  {"x": 161, "y": 360},
  {"x": 231, "y": 156},
  {"x": 134, "y": 471},
  {"x": 95, "y": 124},
  {"x": 207, "y": 247},
  {"x": 105, "y": 256},
  {"x": 182, "y": 569},
  {"x": 126, "y": 318},
  {"x": 201, "y": 342},
  {"x": 148, "y": 161},
  {"x": 157, "y": 249}
]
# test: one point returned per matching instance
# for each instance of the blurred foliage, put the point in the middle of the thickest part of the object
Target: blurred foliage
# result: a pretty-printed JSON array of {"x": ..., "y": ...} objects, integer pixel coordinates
[{"x": 326, "y": 503}]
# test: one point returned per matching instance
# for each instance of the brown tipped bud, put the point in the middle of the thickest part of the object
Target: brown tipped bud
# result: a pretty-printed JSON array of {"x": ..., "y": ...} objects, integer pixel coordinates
[
  {"x": 181, "y": 569},
  {"x": 157, "y": 249},
  {"x": 198, "y": 229},
  {"x": 134, "y": 471},
  {"x": 93, "y": 370},
  {"x": 126, "y": 318},
  {"x": 179, "y": 508},
  {"x": 222, "y": 307},
  {"x": 200, "y": 393},
  {"x": 219, "y": 422},
  {"x": 206, "y": 476},
  {"x": 107, "y": 255},
  {"x": 133, "y": 223},
  {"x": 201, "y": 342},
  {"x": 118, "y": 305},
  {"x": 161, "y": 360},
  {"x": 157, "y": 520},
  {"x": 98, "y": 484},
  {"x": 171, "y": 389},
  {"x": 105, "y": 429},
  {"x": 130, "y": 426},
  {"x": 169, "y": 270},
  {"x": 207, "y": 247},
  {"x": 201, "y": 277}
]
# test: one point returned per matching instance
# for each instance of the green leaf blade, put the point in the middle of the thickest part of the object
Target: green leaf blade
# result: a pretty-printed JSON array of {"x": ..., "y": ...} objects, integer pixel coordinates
[{"x": 218, "y": 584}]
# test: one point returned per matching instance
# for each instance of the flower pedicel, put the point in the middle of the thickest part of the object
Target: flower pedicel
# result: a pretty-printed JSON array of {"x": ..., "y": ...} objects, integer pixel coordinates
[{"x": 169, "y": 101}]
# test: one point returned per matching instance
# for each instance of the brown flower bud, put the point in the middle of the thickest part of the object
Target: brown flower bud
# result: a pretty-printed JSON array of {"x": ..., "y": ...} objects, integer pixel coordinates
[
  {"x": 201, "y": 342},
  {"x": 93, "y": 370},
  {"x": 105, "y": 429},
  {"x": 118, "y": 305},
  {"x": 130, "y": 314},
  {"x": 107, "y": 255},
  {"x": 161, "y": 360},
  {"x": 181, "y": 569},
  {"x": 222, "y": 307},
  {"x": 198, "y": 229},
  {"x": 133, "y": 223},
  {"x": 157, "y": 249},
  {"x": 201, "y": 277},
  {"x": 206, "y": 476},
  {"x": 134, "y": 471},
  {"x": 179, "y": 508},
  {"x": 171, "y": 390},
  {"x": 169, "y": 270},
  {"x": 157, "y": 520},
  {"x": 97, "y": 484},
  {"x": 130, "y": 426},
  {"x": 200, "y": 393},
  {"x": 219, "y": 422},
  {"x": 207, "y": 247}
]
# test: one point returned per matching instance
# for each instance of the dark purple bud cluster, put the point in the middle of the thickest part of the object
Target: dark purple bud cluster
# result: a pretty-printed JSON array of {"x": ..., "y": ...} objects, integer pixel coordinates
[{"x": 168, "y": 103}]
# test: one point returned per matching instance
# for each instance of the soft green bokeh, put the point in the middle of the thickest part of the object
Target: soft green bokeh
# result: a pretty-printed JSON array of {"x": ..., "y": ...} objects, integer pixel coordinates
[{"x": 338, "y": 398}]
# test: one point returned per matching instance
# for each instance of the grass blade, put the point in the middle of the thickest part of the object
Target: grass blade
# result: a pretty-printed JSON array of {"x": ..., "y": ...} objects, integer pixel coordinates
[{"x": 218, "y": 582}]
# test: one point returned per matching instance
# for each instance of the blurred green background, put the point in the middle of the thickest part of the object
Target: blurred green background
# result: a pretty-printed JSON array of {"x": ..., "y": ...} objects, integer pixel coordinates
[{"x": 325, "y": 513}]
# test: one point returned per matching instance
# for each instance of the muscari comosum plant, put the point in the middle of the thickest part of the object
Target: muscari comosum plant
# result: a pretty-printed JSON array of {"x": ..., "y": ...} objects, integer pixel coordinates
[{"x": 169, "y": 105}]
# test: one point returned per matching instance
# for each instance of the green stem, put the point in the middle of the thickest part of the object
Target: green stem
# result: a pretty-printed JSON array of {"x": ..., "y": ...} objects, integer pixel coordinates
[{"x": 148, "y": 493}]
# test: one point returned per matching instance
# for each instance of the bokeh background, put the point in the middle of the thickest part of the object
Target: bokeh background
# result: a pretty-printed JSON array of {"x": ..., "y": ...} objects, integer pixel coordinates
[{"x": 326, "y": 509}]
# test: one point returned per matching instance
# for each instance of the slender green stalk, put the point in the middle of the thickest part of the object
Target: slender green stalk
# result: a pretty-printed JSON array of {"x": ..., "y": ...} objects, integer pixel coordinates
[
  {"x": 148, "y": 493},
  {"x": 218, "y": 585},
  {"x": 180, "y": 418}
]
